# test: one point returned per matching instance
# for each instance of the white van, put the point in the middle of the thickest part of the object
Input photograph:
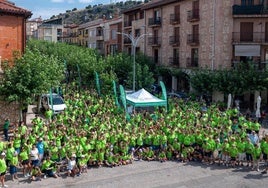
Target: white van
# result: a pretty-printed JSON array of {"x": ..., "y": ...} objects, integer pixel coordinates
[{"x": 57, "y": 105}]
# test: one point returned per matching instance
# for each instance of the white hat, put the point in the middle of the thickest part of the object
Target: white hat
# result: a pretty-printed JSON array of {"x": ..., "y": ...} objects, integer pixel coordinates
[
  {"x": 73, "y": 155},
  {"x": 3, "y": 154}
]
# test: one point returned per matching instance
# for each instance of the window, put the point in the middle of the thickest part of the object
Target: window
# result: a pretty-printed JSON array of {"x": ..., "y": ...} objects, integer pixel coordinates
[
  {"x": 247, "y": 2},
  {"x": 246, "y": 31},
  {"x": 114, "y": 34},
  {"x": 137, "y": 32},
  {"x": 194, "y": 57},
  {"x": 141, "y": 14},
  {"x": 157, "y": 15},
  {"x": 48, "y": 31}
]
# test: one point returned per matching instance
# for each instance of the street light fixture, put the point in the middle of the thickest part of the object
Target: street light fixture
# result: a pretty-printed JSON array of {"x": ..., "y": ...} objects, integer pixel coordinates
[{"x": 134, "y": 42}]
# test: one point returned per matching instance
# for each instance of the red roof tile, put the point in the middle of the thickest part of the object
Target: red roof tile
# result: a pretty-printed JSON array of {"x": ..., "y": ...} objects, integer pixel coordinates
[{"x": 7, "y": 7}]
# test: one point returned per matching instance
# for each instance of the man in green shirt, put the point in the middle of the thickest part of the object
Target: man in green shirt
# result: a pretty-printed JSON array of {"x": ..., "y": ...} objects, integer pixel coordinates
[{"x": 6, "y": 126}]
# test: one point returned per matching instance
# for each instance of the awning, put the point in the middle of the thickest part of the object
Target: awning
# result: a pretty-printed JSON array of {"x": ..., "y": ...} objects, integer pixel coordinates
[{"x": 247, "y": 50}]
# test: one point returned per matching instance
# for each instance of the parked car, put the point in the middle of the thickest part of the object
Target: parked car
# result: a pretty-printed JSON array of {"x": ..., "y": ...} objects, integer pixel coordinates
[
  {"x": 178, "y": 95},
  {"x": 57, "y": 104},
  {"x": 156, "y": 89}
]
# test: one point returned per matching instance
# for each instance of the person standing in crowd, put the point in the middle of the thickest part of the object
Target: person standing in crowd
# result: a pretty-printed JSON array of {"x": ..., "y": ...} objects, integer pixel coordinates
[
  {"x": 34, "y": 156},
  {"x": 14, "y": 163},
  {"x": 3, "y": 169},
  {"x": 6, "y": 127},
  {"x": 41, "y": 149}
]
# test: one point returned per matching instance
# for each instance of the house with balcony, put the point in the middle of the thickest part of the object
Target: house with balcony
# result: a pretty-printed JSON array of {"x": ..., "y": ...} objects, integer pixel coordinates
[
  {"x": 51, "y": 30},
  {"x": 250, "y": 38},
  {"x": 134, "y": 25},
  {"x": 112, "y": 40},
  {"x": 32, "y": 27},
  {"x": 12, "y": 30},
  {"x": 71, "y": 34},
  {"x": 250, "y": 33},
  {"x": 185, "y": 35}
]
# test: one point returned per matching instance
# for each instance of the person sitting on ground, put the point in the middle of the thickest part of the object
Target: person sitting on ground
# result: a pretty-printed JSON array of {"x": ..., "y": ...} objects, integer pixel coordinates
[
  {"x": 71, "y": 168},
  {"x": 48, "y": 168},
  {"x": 36, "y": 174},
  {"x": 162, "y": 156}
]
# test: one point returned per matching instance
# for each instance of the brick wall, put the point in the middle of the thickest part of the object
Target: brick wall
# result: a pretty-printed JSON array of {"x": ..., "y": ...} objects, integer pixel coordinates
[
  {"x": 8, "y": 110},
  {"x": 11, "y": 35}
]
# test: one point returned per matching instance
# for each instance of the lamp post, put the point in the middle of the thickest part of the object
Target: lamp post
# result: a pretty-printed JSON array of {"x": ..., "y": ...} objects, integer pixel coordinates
[{"x": 134, "y": 42}]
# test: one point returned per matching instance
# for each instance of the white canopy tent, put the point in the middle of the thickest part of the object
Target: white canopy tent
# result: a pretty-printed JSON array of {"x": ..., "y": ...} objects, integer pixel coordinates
[{"x": 143, "y": 98}]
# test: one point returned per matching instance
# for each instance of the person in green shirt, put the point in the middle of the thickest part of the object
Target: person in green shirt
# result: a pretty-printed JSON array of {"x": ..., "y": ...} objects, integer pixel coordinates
[
  {"x": 24, "y": 159},
  {"x": 14, "y": 163},
  {"x": 6, "y": 126},
  {"x": 256, "y": 155},
  {"x": 3, "y": 169},
  {"x": 249, "y": 147},
  {"x": 264, "y": 146},
  {"x": 36, "y": 174},
  {"x": 162, "y": 156}
]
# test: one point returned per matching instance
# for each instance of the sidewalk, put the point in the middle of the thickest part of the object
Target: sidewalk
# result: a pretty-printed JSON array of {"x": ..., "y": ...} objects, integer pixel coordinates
[{"x": 30, "y": 114}]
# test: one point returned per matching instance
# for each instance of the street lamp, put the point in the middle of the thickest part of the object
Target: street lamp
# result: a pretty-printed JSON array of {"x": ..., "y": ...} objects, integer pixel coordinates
[{"x": 134, "y": 42}]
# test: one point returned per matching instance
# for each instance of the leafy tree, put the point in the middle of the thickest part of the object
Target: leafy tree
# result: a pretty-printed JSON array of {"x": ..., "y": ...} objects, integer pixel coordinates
[{"x": 31, "y": 75}]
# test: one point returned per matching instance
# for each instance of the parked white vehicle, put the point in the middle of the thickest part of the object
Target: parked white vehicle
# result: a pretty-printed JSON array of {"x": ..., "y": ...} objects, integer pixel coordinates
[{"x": 57, "y": 104}]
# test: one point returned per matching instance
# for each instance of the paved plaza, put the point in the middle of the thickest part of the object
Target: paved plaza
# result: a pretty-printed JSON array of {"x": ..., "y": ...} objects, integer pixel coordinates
[{"x": 143, "y": 174}]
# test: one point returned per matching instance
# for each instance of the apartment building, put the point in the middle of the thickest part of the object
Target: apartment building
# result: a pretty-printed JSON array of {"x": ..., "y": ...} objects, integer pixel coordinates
[
  {"x": 51, "y": 30},
  {"x": 71, "y": 36},
  {"x": 250, "y": 32},
  {"x": 112, "y": 38},
  {"x": 186, "y": 35},
  {"x": 32, "y": 27},
  {"x": 134, "y": 26}
]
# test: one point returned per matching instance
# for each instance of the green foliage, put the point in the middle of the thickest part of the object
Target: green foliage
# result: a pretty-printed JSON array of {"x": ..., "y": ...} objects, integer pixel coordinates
[
  {"x": 244, "y": 78},
  {"x": 31, "y": 75}
]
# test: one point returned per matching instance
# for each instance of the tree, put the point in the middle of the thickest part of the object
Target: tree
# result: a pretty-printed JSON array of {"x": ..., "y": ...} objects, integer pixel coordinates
[{"x": 31, "y": 75}]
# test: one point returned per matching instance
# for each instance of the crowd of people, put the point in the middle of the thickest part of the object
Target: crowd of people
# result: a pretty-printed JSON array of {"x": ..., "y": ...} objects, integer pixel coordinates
[{"x": 94, "y": 132}]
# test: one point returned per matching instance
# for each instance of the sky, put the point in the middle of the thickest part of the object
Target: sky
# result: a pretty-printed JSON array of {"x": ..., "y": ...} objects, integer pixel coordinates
[{"x": 48, "y": 8}]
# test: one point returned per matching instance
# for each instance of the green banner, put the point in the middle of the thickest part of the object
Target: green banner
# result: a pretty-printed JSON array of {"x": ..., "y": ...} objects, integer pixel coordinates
[
  {"x": 115, "y": 94},
  {"x": 97, "y": 83}
]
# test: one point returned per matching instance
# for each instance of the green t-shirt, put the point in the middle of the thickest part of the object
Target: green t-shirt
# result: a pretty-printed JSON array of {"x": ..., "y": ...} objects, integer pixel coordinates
[
  {"x": 6, "y": 124},
  {"x": 14, "y": 161},
  {"x": 24, "y": 155},
  {"x": 3, "y": 166}
]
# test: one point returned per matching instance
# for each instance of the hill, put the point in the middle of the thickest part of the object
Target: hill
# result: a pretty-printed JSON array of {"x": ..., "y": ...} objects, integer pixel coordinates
[{"x": 90, "y": 13}]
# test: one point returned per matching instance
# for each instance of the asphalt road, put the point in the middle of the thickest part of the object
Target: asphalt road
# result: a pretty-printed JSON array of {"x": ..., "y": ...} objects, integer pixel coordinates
[{"x": 143, "y": 174}]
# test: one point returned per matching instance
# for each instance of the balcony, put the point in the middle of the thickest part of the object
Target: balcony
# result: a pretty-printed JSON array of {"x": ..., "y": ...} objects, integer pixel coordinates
[
  {"x": 127, "y": 41},
  {"x": 127, "y": 23},
  {"x": 249, "y": 37},
  {"x": 248, "y": 10},
  {"x": 174, "y": 40},
  {"x": 193, "y": 15},
  {"x": 193, "y": 39},
  {"x": 174, "y": 19},
  {"x": 174, "y": 61},
  {"x": 154, "y": 22},
  {"x": 154, "y": 41},
  {"x": 192, "y": 62}
]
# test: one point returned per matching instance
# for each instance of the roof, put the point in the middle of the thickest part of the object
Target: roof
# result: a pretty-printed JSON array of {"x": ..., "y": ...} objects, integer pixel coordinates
[
  {"x": 157, "y": 3},
  {"x": 8, "y": 7}
]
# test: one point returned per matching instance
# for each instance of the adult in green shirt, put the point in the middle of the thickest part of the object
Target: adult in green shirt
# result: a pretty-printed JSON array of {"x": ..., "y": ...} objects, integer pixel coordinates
[
  {"x": 6, "y": 126},
  {"x": 3, "y": 169}
]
